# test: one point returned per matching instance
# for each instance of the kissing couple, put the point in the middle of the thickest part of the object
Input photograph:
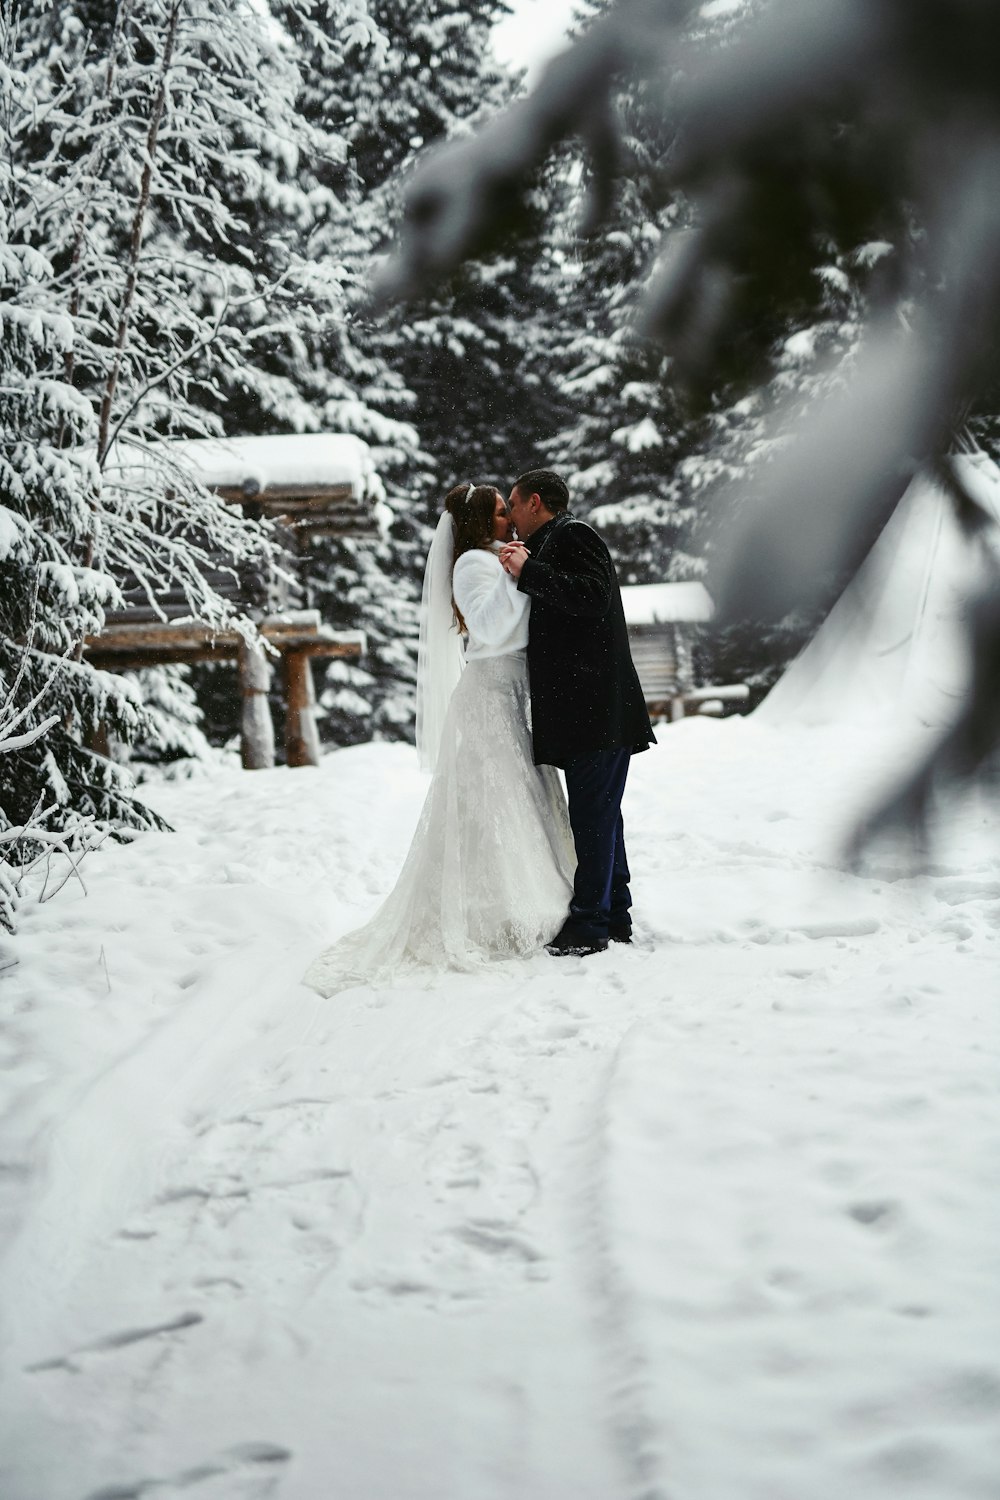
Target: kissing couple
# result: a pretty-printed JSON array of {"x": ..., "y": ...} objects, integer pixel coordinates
[{"x": 523, "y": 666}]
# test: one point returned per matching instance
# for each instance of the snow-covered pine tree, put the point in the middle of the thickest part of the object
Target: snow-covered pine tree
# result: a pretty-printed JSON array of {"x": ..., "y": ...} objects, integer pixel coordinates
[
  {"x": 173, "y": 722},
  {"x": 335, "y": 376},
  {"x": 299, "y": 236},
  {"x": 628, "y": 425},
  {"x": 468, "y": 351},
  {"x": 186, "y": 261},
  {"x": 794, "y": 330},
  {"x": 458, "y": 364},
  {"x": 51, "y": 592},
  {"x": 159, "y": 281},
  {"x": 807, "y": 355},
  {"x": 646, "y": 454}
]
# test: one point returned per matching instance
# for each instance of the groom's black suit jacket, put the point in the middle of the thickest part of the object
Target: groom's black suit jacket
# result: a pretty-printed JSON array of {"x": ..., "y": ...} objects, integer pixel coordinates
[{"x": 585, "y": 692}]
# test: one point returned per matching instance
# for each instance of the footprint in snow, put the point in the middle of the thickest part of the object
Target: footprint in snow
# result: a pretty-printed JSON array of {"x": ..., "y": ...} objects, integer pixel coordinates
[
  {"x": 499, "y": 1241},
  {"x": 245, "y": 1472},
  {"x": 874, "y": 1214},
  {"x": 120, "y": 1339}
]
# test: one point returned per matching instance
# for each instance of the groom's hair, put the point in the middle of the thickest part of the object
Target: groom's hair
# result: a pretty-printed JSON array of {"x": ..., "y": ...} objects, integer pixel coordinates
[{"x": 549, "y": 488}]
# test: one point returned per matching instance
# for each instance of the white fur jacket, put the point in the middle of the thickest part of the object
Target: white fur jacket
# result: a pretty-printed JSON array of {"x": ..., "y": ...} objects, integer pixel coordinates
[{"x": 495, "y": 613}]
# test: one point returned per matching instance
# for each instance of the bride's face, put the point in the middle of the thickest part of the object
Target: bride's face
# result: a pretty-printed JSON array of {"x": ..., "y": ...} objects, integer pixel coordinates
[{"x": 502, "y": 524}]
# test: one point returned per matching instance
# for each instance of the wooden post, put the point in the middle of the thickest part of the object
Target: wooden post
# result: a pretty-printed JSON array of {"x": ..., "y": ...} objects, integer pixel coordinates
[
  {"x": 301, "y": 735},
  {"x": 256, "y": 726}
]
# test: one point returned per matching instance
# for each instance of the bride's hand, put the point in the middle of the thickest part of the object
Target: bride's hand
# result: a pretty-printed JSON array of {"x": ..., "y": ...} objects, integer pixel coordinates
[{"x": 513, "y": 557}]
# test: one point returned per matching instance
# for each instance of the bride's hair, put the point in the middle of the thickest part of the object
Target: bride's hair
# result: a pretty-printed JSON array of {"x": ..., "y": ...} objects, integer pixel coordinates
[{"x": 472, "y": 512}]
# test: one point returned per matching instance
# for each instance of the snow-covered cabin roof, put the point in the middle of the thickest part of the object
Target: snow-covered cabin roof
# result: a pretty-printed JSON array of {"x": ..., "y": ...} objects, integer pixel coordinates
[
  {"x": 287, "y": 464},
  {"x": 666, "y": 603},
  {"x": 316, "y": 483}
]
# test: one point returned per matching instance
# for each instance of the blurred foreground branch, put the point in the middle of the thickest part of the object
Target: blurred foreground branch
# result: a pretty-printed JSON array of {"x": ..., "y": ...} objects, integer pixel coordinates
[{"x": 814, "y": 121}]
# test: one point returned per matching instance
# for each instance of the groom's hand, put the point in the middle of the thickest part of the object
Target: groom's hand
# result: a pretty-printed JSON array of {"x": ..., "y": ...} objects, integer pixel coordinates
[{"x": 514, "y": 556}]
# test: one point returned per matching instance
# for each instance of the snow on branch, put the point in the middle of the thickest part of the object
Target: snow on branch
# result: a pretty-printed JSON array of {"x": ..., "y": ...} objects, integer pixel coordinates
[
  {"x": 27, "y": 846},
  {"x": 21, "y": 741}
]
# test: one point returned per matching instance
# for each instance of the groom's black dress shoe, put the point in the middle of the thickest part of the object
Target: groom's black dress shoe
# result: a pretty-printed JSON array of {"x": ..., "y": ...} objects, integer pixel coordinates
[
  {"x": 573, "y": 945},
  {"x": 620, "y": 934}
]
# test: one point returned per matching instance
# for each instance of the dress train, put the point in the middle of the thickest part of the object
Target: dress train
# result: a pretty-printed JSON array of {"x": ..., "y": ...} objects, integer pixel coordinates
[{"x": 489, "y": 874}]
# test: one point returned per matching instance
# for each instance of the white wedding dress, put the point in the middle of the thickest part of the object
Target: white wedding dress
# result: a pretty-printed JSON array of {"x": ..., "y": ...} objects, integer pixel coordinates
[{"x": 489, "y": 873}]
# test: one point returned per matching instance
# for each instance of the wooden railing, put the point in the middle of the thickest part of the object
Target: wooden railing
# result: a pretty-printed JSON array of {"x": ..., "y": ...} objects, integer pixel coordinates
[{"x": 291, "y": 639}]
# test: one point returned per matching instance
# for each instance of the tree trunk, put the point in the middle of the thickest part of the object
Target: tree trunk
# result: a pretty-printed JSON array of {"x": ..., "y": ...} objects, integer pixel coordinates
[
  {"x": 256, "y": 726},
  {"x": 301, "y": 734},
  {"x": 138, "y": 229},
  {"x": 80, "y": 226}
]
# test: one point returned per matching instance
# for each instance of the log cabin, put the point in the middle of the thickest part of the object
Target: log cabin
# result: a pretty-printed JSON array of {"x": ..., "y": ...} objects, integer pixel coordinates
[{"x": 662, "y": 619}]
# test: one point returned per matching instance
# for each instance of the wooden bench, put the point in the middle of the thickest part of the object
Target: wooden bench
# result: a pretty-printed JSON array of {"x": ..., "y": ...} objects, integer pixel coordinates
[{"x": 295, "y": 637}]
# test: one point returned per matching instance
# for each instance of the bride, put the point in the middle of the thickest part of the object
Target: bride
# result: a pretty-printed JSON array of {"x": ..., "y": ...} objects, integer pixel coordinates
[{"x": 490, "y": 870}]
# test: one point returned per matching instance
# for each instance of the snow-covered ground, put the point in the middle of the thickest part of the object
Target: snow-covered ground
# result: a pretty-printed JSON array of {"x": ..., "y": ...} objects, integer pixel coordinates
[{"x": 715, "y": 1217}]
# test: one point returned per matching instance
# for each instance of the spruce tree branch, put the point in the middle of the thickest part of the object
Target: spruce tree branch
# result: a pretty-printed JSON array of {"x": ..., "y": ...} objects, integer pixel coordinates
[
  {"x": 9, "y": 720},
  {"x": 138, "y": 228},
  {"x": 165, "y": 374},
  {"x": 95, "y": 163}
]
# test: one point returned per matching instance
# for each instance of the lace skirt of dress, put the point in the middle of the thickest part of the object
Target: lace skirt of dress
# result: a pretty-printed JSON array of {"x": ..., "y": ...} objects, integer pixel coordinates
[{"x": 489, "y": 874}]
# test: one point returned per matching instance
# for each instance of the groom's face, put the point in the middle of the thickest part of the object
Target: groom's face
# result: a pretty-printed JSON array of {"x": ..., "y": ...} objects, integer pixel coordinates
[{"x": 526, "y": 512}]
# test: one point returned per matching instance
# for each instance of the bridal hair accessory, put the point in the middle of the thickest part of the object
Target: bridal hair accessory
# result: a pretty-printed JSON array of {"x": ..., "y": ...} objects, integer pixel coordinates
[
  {"x": 468, "y": 494},
  {"x": 439, "y": 654}
]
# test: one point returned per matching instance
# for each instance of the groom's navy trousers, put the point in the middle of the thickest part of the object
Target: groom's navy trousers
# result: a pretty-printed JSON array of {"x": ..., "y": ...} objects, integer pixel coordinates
[{"x": 601, "y": 899}]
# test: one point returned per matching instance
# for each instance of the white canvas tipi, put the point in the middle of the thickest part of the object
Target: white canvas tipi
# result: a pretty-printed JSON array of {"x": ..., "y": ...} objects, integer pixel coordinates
[{"x": 893, "y": 648}]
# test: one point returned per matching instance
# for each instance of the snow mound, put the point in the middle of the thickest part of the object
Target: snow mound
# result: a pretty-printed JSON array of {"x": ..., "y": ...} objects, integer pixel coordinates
[{"x": 893, "y": 647}]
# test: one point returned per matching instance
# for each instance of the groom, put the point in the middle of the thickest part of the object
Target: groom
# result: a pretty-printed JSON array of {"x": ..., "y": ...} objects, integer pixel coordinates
[{"x": 587, "y": 708}]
